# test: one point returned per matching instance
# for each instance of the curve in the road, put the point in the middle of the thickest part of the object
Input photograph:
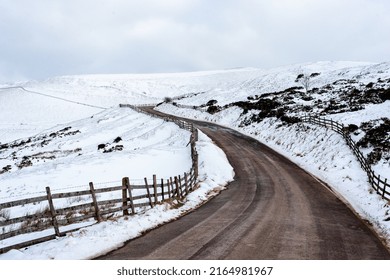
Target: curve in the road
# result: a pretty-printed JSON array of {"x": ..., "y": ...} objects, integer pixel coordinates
[{"x": 272, "y": 210}]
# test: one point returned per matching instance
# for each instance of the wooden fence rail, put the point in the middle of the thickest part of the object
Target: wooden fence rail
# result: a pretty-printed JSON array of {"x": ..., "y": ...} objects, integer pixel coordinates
[
  {"x": 378, "y": 183},
  {"x": 193, "y": 107},
  {"x": 95, "y": 204},
  {"x": 126, "y": 197},
  {"x": 182, "y": 124}
]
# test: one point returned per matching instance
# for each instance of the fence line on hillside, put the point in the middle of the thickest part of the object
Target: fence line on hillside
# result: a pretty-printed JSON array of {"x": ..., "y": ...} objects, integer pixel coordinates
[
  {"x": 139, "y": 105},
  {"x": 181, "y": 123},
  {"x": 121, "y": 198},
  {"x": 378, "y": 183},
  {"x": 193, "y": 107}
]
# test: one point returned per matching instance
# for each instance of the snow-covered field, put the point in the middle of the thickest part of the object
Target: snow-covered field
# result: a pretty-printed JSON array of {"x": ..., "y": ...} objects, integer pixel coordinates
[
  {"x": 95, "y": 240},
  {"x": 135, "y": 145},
  {"x": 318, "y": 150},
  {"x": 50, "y": 131},
  {"x": 62, "y": 151}
]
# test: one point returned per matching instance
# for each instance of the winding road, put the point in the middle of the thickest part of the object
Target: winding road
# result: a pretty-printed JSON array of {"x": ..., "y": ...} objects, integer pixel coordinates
[{"x": 272, "y": 210}]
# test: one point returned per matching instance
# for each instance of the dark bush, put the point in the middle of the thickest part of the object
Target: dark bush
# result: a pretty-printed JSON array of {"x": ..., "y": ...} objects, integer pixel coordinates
[
  {"x": 374, "y": 156},
  {"x": 4, "y": 146},
  {"x": 306, "y": 97},
  {"x": 117, "y": 140},
  {"x": 26, "y": 162},
  {"x": 290, "y": 120},
  {"x": 376, "y": 136},
  {"x": 300, "y": 76},
  {"x": 352, "y": 128},
  {"x": 384, "y": 95},
  {"x": 213, "y": 109},
  {"x": 5, "y": 169},
  {"x": 312, "y": 75},
  {"x": 211, "y": 102}
]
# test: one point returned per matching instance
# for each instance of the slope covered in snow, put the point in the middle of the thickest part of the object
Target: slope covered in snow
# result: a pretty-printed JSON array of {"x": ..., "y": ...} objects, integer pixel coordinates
[
  {"x": 97, "y": 239},
  {"x": 356, "y": 95},
  {"x": 108, "y": 146},
  {"x": 50, "y": 132},
  {"x": 269, "y": 110}
]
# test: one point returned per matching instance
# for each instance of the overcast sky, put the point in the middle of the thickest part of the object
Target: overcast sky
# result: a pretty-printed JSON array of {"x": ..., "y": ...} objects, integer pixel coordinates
[{"x": 45, "y": 38}]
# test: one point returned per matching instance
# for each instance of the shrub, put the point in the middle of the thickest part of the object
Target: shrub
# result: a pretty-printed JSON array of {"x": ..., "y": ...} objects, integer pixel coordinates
[
  {"x": 211, "y": 102},
  {"x": 213, "y": 109},
  {"x": 168, "y": 99}
]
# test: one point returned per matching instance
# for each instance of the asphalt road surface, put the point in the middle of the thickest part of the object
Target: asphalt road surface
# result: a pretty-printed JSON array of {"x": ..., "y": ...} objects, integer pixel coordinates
[{"x": 272, "y": 210}]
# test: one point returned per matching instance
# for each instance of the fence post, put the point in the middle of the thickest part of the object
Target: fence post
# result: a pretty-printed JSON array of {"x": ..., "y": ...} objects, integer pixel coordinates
[
  {"x": 169, "y": 188},
  {"x": 180, "y": 187},
  {"x": 52, "y": 212},
  {"x": 377, "y": 187},
  {"x": 128, "y": 187},
  {"x": 192, "y": 148},
  {"x": 196, "y": 170},
  {"x": 186, "y": 182},
  {"x": 148, "y": 191},
  {"x": 192, "y": 179},
  {"x": 384, "y": 188},
  {"x": 95, "y": 205},
  {"x": 162, "y": 189},
  {"x": 177, "y": 187},
  {"x": 369, "y": 173},
  {"x": 155, "y": 189},
  {"x": 124, "y": 197}
]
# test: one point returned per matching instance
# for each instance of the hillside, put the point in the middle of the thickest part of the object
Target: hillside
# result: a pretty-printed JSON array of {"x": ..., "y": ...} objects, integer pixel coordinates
[
  {"x": 270, "y": 107},
  {"x": 357, "y": 96},
  {"x": 50, "y": 131}
]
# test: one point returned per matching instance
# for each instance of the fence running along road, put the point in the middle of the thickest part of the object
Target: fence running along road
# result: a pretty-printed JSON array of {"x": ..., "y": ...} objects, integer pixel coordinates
[
  {"x": 94, "y": 204},
  {"x": 126, "y": 197},
  {"x": 272, "y": 210},
  {"x": 380, "y": 185}
]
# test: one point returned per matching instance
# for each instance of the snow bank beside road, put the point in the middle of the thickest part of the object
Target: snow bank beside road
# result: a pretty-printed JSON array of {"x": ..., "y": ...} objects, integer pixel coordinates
[
  {"x": 214, "y": 173},
  {"x": 318, "y": 150}
]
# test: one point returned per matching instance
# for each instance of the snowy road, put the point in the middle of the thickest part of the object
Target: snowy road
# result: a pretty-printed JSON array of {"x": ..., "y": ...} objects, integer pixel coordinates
[{"x": 273, "y": 210}]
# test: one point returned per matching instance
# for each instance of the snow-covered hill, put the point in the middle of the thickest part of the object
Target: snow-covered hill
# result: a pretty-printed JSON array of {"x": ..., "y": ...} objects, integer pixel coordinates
[
  {"x": 50, "y": 130},
  {"x": 269, "y": 107},
  {"x": 108, "y": 146},
  {"x": 355, "y": 94},
  {"x": 103, "y": 148}
]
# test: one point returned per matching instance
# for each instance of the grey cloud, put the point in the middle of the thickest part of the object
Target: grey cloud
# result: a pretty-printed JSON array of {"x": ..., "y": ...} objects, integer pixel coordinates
[{"x": 44, "y": 38}]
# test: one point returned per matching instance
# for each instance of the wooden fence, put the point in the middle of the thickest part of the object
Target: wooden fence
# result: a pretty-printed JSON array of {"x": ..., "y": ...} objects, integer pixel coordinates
[
  {"x": 193, "y": 107},
  {"x": 182, "y": 124},
  {"x": 124, "y": 198},
  {"x": 378, "y": 183},
  {"x": 60, "y": 210}
]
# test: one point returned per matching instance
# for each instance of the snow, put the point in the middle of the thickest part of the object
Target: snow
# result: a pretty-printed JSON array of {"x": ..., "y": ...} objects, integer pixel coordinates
[
  {"x": 23, "y": 114},
  {"x": 320, "y": 151},
  {"x": 89, "y": 242},
  {"x": 77, "y": 160},
  {"x": 88, "y": 104}
]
